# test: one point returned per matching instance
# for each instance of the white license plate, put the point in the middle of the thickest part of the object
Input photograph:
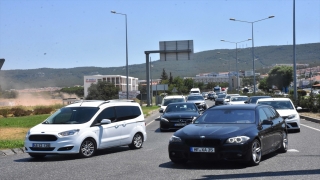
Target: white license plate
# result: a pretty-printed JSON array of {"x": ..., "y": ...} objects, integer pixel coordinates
[
  {"x": 41, "y": 145},
  {"x": 179, "y": 124},
  {"x": 202, "y": 149}
]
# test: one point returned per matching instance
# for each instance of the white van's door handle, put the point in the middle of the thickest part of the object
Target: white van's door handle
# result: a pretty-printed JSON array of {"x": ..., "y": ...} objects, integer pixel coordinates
[{"x": 124, "y": 125}]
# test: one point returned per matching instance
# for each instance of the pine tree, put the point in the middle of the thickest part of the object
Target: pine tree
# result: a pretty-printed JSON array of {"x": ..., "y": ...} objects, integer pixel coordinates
[{"x": 164, "y": 75}]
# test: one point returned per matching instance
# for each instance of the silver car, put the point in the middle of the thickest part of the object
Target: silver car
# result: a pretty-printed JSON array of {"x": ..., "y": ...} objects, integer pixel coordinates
[{"x": 199, "y": 101}]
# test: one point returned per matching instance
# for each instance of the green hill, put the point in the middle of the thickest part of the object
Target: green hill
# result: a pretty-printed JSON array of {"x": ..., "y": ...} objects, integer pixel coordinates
[{"x": 206, "y": 61}]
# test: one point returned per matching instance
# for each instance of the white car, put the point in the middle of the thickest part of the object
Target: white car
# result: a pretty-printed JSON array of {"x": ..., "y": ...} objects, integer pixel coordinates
[
  {"x": 227, "y": 99},
  {"x": 237, "y": 100},
  {"x": 170, "y": 99},
  {"x": 85, "y": 126},
  {"x": 286, "y": 109}
]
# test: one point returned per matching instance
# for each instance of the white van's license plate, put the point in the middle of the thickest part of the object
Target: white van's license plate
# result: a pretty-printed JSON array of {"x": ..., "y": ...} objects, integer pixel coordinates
[
  {"x": 202, "y": 149},
  {"x": 41, "y": 145}
]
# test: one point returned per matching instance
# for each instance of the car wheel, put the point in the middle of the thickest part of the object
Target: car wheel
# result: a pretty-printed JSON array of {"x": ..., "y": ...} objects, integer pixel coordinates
[
  {"x": 255, "y": 153},
  {"x": 87, "y": 148},
  {"x": 179, "y": 161},
  {"x": 38, "y": 156},
  {"x": 137, "y": 141},
  {"x": 284, "y": 143}
]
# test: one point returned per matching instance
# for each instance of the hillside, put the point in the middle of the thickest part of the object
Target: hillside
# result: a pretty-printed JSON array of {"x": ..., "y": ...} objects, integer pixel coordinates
[{"x": 206, "y": 61}]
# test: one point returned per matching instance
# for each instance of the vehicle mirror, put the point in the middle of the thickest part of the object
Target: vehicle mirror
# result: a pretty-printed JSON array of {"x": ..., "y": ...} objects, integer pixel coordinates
[
  {"x": 299, "y": 108},
  {"x": 161, "y": 111},
  {"x": 266, "y": 122},
  {"x": 105, "y": 121},
  {"x": 246, "y": 102},
  {"x": 159, "y": 105}
]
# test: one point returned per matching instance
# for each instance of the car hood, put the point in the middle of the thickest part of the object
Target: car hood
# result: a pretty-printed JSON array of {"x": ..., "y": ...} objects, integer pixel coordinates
[
  {"x": 214, "y": 130},
  {"x": 286, "y": 112},
  {"x": 54, "y": 128},
  {"x": 184, "y": 115}
]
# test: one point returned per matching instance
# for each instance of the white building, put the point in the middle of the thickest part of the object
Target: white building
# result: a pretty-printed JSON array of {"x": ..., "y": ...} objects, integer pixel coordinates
[{"x": 117, "y": 80}]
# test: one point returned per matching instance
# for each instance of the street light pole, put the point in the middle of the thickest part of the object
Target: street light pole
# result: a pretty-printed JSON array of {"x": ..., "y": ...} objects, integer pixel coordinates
[
  {"x": 254, "y": 74},
  {"x": 236, "y": 58},
  {"x": 127, "y": 68}
]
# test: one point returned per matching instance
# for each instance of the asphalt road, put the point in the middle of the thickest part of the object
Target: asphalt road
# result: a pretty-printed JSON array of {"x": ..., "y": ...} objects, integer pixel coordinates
[{"x": 302, "y": 161}]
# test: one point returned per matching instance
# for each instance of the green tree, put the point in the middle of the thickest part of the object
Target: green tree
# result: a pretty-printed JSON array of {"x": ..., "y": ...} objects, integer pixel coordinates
[
  {"x": 210, "y": 85},
  {"x": 188, "y": 83},
  {"x": 263, "y": 84},
  {"x": 170, "y": 79},
  {"x": 164, "y": 76},
  {"x": 280, "y": 76},
  {"x": 102, "y": 91}
]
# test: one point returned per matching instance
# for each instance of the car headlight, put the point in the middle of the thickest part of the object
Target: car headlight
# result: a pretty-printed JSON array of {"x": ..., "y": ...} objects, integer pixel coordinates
[
  {"x": 164, "y": 119},
  {"x": 238, "y": 140},
  {"x": 28, "y": 133},
  {"x": 174, "y": 139},
  {"x": 69, "y": 133},
  {"x": 291, "y": 116}
]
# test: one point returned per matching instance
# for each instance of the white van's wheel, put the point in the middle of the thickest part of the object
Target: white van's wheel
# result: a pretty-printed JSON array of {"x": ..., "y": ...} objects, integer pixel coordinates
[
  {"x": 137, "y": 141},
  {"x": 87, "y": 148}
]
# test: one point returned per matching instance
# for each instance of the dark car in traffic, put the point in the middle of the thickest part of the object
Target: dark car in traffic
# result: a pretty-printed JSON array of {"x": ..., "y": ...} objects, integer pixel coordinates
[
  {"x": 253, "y": 99},
  {"x": 235, "y": 133},
  {"x": 210, "y": 96},
  {"x": 178, "y": 115},
  {"x": 220, "y": 99}
]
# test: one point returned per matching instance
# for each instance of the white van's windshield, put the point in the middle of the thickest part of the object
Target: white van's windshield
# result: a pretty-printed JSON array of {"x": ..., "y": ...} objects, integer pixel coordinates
[{"x": 72, "y": 115}]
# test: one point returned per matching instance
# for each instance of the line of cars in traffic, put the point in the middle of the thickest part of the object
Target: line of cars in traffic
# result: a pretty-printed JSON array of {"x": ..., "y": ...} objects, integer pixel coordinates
[{"x": 243, "y": 129}]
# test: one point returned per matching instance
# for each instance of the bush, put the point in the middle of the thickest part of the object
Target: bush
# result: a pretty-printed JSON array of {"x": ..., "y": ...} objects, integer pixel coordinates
[
  {"x": 4, "y": 112},
  {"x": 42, "y": 110},
  {"x": 301, "y": 92},
  {"x": 18, "y": 111}
]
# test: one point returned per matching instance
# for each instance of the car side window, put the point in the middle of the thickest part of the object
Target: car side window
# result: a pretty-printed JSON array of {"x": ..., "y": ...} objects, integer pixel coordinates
[
  {"x": 127, "y": 112},
  {"x": 276, "y": 114},
  {"x": 107, "y": 113},
  {"x": 269, "y": 114},
  {"x": 262, "y": 115}
]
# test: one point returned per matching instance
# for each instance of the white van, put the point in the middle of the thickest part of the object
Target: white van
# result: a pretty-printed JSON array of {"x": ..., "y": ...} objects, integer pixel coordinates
[
  {"x": 85, "y": 126},
  {"x": 195, "y": 91}
]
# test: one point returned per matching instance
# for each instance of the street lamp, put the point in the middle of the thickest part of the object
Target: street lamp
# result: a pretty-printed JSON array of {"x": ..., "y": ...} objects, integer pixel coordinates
[
  {"x": 254, "y": 74},
  {"x": 236, "y": 58},
  {"x": 127, "y": 69}
]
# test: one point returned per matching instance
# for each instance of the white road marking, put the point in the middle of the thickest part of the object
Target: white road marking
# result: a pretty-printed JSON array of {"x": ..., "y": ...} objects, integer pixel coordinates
[
  {"x": 150, "y": 123},
  {"x": 292, "y": 150},
  {"x": 310, "y": 127}
]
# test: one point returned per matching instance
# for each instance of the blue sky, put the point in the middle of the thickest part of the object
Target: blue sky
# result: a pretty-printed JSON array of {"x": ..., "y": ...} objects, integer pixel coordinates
[{"x": 77, "y": 33}]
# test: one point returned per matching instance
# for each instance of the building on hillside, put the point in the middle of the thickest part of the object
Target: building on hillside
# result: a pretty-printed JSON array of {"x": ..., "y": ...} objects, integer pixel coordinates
[{"x": 117, "y": 80}]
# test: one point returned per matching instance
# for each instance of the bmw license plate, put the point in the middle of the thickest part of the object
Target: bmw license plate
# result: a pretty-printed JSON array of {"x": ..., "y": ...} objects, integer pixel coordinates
[
  {"x": 179, "y": 124},
  {"x": 40, "y": 145},
  {"x": 202, "y": 149}
]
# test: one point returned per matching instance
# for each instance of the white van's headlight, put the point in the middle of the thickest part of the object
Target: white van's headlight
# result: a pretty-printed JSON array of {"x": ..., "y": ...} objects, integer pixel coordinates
[
  {"x": 291, "y": 116},
  {"x": 69, "y": 133}
]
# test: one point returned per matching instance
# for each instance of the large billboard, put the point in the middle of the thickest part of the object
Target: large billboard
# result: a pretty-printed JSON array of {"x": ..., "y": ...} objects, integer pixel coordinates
[{"x": 176, "y": 46}]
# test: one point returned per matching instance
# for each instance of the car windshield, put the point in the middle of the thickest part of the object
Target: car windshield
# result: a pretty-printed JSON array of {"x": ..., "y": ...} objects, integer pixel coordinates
[
  {"x": 168, "y": 101},
  {"x": 195, "y": 98},
  {"x": 181, "y": 108},
  {"x": 226, "y": 116},
  {"x": 221, "y": 96},
  {"x": 278, "y": 104},
  {"x": 239, "y": 98},
  {"x": 72, "y": 115}
]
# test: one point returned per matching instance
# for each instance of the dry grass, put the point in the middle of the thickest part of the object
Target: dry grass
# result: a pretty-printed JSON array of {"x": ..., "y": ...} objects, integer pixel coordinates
[
  {"x": 310, "y": 114},
  {"x": 13, "y": 133}
]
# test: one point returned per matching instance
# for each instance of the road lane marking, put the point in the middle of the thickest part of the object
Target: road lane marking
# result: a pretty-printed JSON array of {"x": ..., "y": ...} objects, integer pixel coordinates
[
  {"x": 310, "y": 127},
  {"x": 292, "y": 150},
  {"x": 150, "y": 123}
]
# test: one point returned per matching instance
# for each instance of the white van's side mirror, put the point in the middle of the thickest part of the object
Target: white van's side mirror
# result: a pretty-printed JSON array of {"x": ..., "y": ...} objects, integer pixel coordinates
[{"x": 105, "y": 121}]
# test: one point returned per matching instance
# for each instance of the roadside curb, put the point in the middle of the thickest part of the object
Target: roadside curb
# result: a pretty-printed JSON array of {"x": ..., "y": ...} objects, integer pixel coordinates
[
  {"x": 310, "y": 119},
  {"x": 8, "y": 152}
]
